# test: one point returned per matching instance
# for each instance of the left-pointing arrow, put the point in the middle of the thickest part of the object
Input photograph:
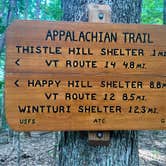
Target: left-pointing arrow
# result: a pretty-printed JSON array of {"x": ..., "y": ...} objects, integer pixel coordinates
[
  {"x": 17, "y": 62},
  {"x": 16, "y": 83}
]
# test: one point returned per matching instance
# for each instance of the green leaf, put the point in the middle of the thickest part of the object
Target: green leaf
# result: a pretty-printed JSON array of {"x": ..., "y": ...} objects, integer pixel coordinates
[{"x": 152, "y": 12}]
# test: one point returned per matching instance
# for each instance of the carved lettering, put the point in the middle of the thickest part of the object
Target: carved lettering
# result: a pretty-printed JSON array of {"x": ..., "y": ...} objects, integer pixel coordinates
[
  {"x": 137, "y": 37},
  {"x": 52, "y": 62}
]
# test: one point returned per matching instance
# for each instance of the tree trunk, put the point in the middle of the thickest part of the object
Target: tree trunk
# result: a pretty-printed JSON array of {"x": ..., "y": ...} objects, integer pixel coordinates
[
  {"x": 2, "y": 8},
  {"x": 164, "y": 12},
  {"x": 123, "y": 149},
  {"x": 44, "y": 13},
  {"x": 10, "y": 17},
  {"x": 37, "y": 13},
  {"x": 26, "y": 9},
  {"x": 11, "y": 11},
  {"x": 123, "y": 11},
  {"x": 2, "y": 36},
  {"x": 2, "y": 42}
]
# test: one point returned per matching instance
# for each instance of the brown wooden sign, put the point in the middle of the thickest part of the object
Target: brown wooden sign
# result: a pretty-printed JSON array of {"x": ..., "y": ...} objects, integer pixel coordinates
[{"x": 85, "y": 76}]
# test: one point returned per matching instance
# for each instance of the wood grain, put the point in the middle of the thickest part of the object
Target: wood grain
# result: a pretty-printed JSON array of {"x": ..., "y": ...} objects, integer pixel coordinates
[
  {"x": 75, "y": 120},
  {"x": 134, "y": 97},
  {"x": 30, "y": 33}
]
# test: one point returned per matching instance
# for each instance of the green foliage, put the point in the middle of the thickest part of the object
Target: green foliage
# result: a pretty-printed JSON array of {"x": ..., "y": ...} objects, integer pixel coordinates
[
  {"x": 2, "y": 27},
  {"x": 21, "y": 8},
  {"x": 1, "y": 85},
  {"x": 53, "y": 10},
  {"x": 152, "y": 12},
  {"x": 31, "y": 9}
]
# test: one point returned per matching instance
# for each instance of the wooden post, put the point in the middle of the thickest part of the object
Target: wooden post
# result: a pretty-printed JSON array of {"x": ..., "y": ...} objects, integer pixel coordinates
[{"x": 101, "y": 14}]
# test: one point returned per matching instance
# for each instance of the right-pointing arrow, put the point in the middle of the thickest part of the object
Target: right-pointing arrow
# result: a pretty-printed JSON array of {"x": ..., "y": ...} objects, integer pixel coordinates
[
  {"x": 16, "y": 83},
  {"x": 17, "y": 62}
]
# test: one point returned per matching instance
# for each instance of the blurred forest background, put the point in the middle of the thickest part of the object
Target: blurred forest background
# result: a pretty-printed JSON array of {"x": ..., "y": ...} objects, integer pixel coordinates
[{"x": 153, "y": 12}]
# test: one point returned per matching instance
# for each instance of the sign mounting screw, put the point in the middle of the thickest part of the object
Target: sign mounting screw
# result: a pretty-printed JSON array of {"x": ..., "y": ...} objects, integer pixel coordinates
[
  {"x": 99, "y": 134},
  {"x": 101, "y": 16}
]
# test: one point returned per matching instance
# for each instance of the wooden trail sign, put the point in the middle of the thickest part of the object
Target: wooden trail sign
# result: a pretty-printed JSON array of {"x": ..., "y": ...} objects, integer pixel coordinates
[{"x": 85, "y": 76}]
